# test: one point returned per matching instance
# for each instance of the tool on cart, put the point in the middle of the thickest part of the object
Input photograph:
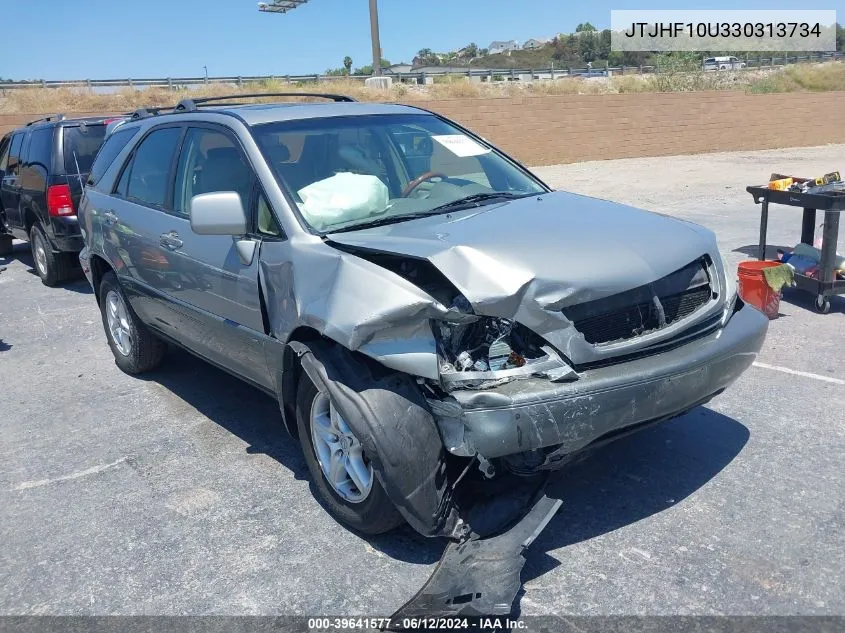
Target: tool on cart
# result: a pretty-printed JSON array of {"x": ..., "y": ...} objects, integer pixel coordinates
[
  {"x": 829, "y": 198},
  {"x": 830, "y": 182}
]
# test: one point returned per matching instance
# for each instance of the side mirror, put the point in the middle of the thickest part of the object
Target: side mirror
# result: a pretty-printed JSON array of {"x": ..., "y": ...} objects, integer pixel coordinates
[{"x": 218, "y": 213}]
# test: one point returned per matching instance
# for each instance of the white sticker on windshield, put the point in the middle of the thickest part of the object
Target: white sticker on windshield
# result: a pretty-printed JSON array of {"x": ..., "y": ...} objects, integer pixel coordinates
[{"x": 461, "y": 145}]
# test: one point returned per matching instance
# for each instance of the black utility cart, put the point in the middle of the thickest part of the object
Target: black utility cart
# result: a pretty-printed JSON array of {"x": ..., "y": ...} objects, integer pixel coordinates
[{"x": 832, "y": 204}]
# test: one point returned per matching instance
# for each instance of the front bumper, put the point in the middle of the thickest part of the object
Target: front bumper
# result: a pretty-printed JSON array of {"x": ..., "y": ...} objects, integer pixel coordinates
[{"x": 535, "y": 413}]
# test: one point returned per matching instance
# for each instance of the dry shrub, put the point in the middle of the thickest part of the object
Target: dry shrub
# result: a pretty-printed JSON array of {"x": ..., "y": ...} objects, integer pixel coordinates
[{"x": 798, "y": 78}]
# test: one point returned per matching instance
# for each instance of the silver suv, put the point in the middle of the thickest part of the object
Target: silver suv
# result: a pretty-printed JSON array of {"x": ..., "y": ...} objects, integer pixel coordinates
[{"x": 434, "y": 321}]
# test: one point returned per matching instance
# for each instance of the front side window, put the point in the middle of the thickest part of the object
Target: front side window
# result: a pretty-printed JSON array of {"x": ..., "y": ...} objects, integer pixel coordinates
[
  {"x": 81, "y": 144},
  {"x": 108, "y": 152},
  {"x": 266, "y": 223},
  {"x": 348, "y": 172},
  {"x": 210, "y": 162},
  {"x": 147, "y": 178}
]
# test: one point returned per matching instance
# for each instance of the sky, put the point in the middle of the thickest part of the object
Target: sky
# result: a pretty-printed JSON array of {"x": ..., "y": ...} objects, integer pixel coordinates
[{"x": 176, "y": 38}]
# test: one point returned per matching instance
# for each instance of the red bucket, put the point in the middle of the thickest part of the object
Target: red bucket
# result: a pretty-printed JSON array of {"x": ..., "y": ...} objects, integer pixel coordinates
[{"x": 754, "y": 289}]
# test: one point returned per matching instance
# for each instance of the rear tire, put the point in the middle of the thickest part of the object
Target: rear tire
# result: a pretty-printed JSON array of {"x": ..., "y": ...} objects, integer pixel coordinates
[
  {"x": 375, "y": 513},
  {"x": 51, "y": 267},
  {"x": 135, "y": 348}
]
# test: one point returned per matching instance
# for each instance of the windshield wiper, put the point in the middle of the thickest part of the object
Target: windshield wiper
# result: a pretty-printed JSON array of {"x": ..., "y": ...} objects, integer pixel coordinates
[
  {"x": 390, "y": 219},
  {"x": 474, "y": 199},
  {"x": 469, "y": 201}
]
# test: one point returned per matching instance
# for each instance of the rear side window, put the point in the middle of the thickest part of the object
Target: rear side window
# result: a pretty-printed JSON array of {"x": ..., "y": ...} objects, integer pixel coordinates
[
  {"x": 37, "y": 159},
  {"x": 4, "y": 153},
  {"x": 41, "y": 149},
  {"x": 150, "y": 167},
  {"x": 81, "y": 144},
  {"x": 13, "y": 162},
  {"x": 108, "y": 152}
]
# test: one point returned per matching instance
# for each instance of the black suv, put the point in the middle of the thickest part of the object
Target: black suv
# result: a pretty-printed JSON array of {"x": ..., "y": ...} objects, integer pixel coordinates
[{"x": 43, "y": 167}]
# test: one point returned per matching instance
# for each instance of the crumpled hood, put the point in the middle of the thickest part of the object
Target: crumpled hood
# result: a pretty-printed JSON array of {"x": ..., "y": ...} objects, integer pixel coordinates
[
  {"x": 527, "y": 259},
  {"x": 564, "y": 247}
]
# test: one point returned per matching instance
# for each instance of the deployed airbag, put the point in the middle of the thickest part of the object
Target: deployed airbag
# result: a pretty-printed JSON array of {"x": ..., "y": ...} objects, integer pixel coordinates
[{"x": 342, "y": 198}]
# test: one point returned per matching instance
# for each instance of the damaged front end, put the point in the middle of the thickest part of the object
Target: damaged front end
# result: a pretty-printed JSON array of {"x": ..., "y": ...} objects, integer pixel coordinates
[
  {"x": 478, "y": 352},
  {"x": 457, "y": 359}
]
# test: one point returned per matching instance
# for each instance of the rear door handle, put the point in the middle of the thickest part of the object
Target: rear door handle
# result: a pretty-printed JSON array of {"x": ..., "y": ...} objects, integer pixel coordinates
[
  {"x": 110, "y": 218},
  {"x": 170, "y": 240}
]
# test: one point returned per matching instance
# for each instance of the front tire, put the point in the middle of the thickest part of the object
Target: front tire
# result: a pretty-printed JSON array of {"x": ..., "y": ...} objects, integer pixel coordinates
[
  {"x": 134, "y": 347},
  {"x": 355, "y": 497},
  {"x": 51, "y": 267}
]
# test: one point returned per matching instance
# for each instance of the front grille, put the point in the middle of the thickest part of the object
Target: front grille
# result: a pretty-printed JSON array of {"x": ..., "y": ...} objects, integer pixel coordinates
[{"x": 643, "y": 309}]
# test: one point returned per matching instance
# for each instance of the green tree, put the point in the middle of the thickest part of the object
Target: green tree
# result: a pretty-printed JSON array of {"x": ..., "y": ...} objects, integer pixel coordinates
[
  {"x": 347, "y": 64},
  {"x": 604, "y": 44},
  {"x": 368, "y": 69},
  {"x": 585, "y": 26},
  {"x": 472, "y": 50},
  {"x": 588, "y": 46}
]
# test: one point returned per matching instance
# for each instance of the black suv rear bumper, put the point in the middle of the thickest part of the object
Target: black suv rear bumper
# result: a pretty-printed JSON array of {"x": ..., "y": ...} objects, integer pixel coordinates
[{"x": 64, "y": 234}]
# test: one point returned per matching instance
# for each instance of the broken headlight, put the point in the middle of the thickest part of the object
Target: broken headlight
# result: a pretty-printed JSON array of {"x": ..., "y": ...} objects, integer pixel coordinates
[
  {"x": 730, "y": 297},
  {"x": 479, "y": 352}
]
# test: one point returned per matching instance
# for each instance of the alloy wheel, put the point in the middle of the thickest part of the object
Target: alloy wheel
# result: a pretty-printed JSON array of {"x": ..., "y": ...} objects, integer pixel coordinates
[
  {"x": 339, "y": 453},
  {"x": 118, "y": 321},
  {"x": 40, "y": 256}
]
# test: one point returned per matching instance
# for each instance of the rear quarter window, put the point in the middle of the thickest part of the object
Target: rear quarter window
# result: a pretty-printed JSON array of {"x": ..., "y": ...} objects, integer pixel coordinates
[
  {"x": 38, "y": 160},
  {"x": 40, "y": 149},
  {"x": 81, "y": 144},
  {"x": 108, "y": 152}
]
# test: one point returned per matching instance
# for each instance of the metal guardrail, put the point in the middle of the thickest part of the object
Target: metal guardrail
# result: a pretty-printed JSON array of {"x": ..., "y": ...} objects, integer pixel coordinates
[{"x": 502, "y": 74}]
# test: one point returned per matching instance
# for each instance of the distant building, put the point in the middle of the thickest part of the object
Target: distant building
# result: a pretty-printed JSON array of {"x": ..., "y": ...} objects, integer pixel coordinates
[
  {"x": 397, "y": 69},
  {"x": 533, "y": 44},
  {"x": 502, "y": 47}
]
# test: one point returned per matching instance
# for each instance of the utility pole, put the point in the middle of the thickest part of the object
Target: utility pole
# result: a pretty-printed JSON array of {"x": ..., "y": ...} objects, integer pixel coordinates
[
  {"x": 283, "y": 6},
  {"x": 374, "y": 35}
]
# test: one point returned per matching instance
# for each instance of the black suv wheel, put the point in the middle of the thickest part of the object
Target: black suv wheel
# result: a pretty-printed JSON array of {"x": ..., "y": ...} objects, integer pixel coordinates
[{"x": 53, "y": 268}]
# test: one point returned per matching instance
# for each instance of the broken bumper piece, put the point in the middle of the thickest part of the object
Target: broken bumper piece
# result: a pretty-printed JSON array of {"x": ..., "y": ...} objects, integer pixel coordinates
[
  {"x": 535, "y": 413},
  {"x": 479, "y": 577}
]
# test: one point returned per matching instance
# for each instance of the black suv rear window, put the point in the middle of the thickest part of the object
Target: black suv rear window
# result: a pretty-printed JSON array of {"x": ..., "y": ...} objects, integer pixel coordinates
[{"x": 81, "y": 144}]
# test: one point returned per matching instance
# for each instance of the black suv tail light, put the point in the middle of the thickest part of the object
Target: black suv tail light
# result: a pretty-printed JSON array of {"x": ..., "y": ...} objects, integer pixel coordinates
[{"x": 59, "y": 202}]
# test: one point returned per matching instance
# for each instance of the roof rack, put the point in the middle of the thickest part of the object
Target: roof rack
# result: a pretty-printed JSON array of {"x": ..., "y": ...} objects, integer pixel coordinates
[
  {"x": 143, "y": 113},
  {"x": 52, "y": 117},
  {"x": 189, "y": 105}
]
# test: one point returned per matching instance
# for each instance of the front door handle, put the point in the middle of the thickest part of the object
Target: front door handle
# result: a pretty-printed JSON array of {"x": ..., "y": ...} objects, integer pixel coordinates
[
  {"x": 170, "y": 240},
  {"x": 110, "y": 218}
]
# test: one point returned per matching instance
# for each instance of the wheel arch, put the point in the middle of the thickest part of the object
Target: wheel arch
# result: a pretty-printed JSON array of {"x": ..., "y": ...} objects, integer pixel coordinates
[
  {"x": 30, "y": 218},
  {"x": 99, "y": 268},
  {"x": 291, "y": 371}
]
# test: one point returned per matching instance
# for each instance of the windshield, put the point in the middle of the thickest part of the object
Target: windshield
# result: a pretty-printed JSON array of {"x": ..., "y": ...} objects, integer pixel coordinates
[
  {"x": 81, "y": 144},
  {"x": 348, "y": 172}
]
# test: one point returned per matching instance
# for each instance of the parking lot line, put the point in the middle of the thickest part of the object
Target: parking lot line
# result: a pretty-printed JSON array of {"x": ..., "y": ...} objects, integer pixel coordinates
[
  {"x": 82, "y": 473},
  {"x": 805, "y": 374}
]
